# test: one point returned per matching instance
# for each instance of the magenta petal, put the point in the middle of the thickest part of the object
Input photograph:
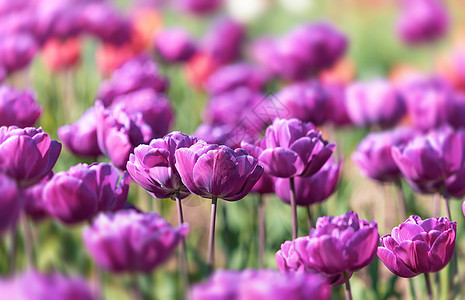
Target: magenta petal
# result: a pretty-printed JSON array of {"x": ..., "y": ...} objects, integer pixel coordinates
[
  {"x": 280, "y": 162},
  {"x": 394, "y": 264}
]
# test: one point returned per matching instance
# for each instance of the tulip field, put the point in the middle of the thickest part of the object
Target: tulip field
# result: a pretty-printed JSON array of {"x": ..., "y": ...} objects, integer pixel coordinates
[{"x": 232, "y": 149}]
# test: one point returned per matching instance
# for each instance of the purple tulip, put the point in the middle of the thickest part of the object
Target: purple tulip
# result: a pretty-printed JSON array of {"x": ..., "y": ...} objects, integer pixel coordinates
[
  {"x": 153, "y": 166},
  {"x": 374, "y": 102},
  {"x": 313, "y": 189},
  {"x": 54, "y": 286},
  {"x": 231, "y": 77},
  {"x": 2, "y": 74},
  {"x": 198, "y": 7},
  {"x": 224, "y": 41},
  {"x": 129, "y": 241},
  {"x": 418, "y": 246},
  {"x": 337, "y": 111},
  {"x": 10, "y": 204},
  {"x": 303, "y": 52},
  {"x": 422, "y": 21},
  {"x": 20, "y": 22},
  {"x": 213, "y": 171},
  {"x": 33, "y": 199},
  {"x": 155, "y": 108},
  {"x": 261, "y": 284},
  {"x": 9, "y": 7},
  {"x": 27, "y": 155},
  {"x": 136, "y": 74},
  {"x": 175, "y": 45},
  {"x": 227, "y": 135},
  {"x": 80, "y": 193},
  {"x": 338, "y": 244},
  {"x": 306, "y": 101},
  {"x": 456, "y": 110},
  {"x": 431, "y": 158},
  {"x": 265, "y": 185},
  {"x": 374, "y": 154},
  {"x": 119, "y": 132},
  {"x": 18, "y": 107},
  {"x": 17, "y": 51},
  {"x": 293, "y": 148},
  {"x": 81, "y": 136}
]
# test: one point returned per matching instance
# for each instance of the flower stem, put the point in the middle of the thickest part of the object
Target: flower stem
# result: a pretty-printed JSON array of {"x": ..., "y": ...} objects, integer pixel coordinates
[
  {"x": 347, "y": 283},
  {"x": 183, "y": 267},
  {"x": 446, "y": 206},
  {"x": 28, "y": 243},
  {"x": 436, "y": 199},
  {"x": 13, "y": 248},
  {"x": 401, "y": 200},
  {"x": 135, "y": 288},
  {"x": 261, "y": 231},
  {"x": 211, "y": 238},
  {"x": 428, "y": 286},
  {"x": 310, "y": 219},
  {"x": 293, "y": 208}
]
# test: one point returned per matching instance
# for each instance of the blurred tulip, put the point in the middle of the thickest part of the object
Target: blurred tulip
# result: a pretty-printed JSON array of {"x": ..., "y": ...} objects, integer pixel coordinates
[
  {"x": 227, "y": 135},
  {"x": 18, "y": 108},
  {"x": 374, "y": 102},
  {"x": 61, "y": 55},
  {"x": 343, "y": 72},
  {"x": 313, "y": 189},
  {"x": 33, "y": 199},
  {"x": 174, "y": 45},
  {"x": 146, "y": 23},
  {"x": 10, "y": 204},
  {"x": 80, "y": 193},
  {"x": 261, "y": 284},
  {"x": 337, "y": 110},
  {"x": 17, "y": 51},
  {"x": 197, "y": 7},
  {"x": 422, "y": 21},
  {"x": 129, "y": 241},
  {"x": 374, "y": 154},
  {"x": 418, "y": 246},
  {"x": 199, "y": 68},
  {"x": 27, "y": 155}
]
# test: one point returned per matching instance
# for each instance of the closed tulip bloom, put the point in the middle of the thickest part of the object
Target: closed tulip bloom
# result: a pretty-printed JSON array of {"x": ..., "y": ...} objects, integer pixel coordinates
[
  {"x": 118, "y": 132},
  {"x": 33, "y": 199},
  {"x": 418, "y": 246},
  {"x": 293, "y": 148},
  {"x": 153, "y": 166},
  {"x": 374, "y": 102},
  {"x": 313, "y": 189},
  {"x": 138, "y": 73},
  {"x": 431, "y": 158},
  {"x": 18, "y": 108},
  {"x": 337, "y": 110},
  {"x": 265, "y": 185},
  {"x": 339, "y": 244},
  {"x": 422, "y": 21},
  {"x": 198, "y": 7},
  {"x": 233, "y": 76},
  {"x": 261, "y": 284},
  {"x": 129, "y": 241},
  {"x": 17, "y": 51},
  {"x": 53, "y": 286},
  {"x": 27, "y": 155},
  {"x": 217, "y": 171},
  {"x": 226, "y": 134},
  {"x": 81, "y": 137},
  {"x": 10, "y": 204},
  {"x": 174, "y": 45},
  {"x": 78, "y": 194},
  {"x": 305, "y": 101},
  {"x": 374, "y": 154}
]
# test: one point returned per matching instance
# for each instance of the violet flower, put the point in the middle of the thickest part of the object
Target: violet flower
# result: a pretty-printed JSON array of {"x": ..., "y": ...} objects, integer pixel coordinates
[
  {"x": 174, "y": 45},
  {"x": 18, "y": 108},
  {"x": 10, "y": 204}
]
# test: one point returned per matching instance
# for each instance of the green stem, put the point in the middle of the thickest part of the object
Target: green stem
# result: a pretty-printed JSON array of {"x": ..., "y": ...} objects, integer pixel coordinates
[
  {"x": 428, "y": 286},
  {"x": 211, "y": 237},
  {"x": 348, "y": 293},
  {"x": 293, "y": 208},
  {"x": 261, "y": 231}
]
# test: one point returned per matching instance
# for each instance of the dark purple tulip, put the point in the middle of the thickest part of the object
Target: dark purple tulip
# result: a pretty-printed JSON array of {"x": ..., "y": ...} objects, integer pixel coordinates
[
  {"x": 456, "y": 110},
  {"x": 431, "y": 158},
  {"x": 261, "y": 284},
  {"x": 10, "y": 204},
  {"x": 18, "y": 107},
  {"x": 155, "y": 109},
  {"x": 153, "y": 166},
  {"x": 17, "y": 51},
  {"x": 289, "y": 261},
  {"x": 306, "y": 101},
  {"x": 175, "y": 45},
  {"x": 265, "y": 185},
  {"x": 80, "y": 193},
  {"x": 81, "y": 136},
  {"x": 129, "y": 241},
  {"x": 374, "y": 102},
  {"x": 217, "y": 171},
  {"x": 422, "y": 21},
  {"x": 224, "y": 41},
  {"x": 230, "y": 77},
  {"x": 136, "y": 74},
  {"x": 293, "y": 148},
  {"x": 418, "y": 246},
  {"x": 119, "y": 132},
  {"x": 198, "y": 7},
  {"x": 27, "y": 155},
  {"x": 337, "y": 111},
  {"x": 303, "y": 52},
  {"x": 374, "y": 154},
  {"x": 33, "y": 285},
  {"x": 228, "y": 135},
  {"x": 339, "y": 244},
  {"x": 33, "y": 199},
  {"x": 313, "y": 189}
]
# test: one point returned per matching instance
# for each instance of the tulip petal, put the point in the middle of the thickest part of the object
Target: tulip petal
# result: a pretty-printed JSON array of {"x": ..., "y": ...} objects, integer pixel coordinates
[{"x": 394, "y": 264}]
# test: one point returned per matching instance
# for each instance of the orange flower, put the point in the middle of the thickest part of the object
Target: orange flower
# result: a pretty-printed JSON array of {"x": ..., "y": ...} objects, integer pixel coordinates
[
  {"x": 199, "y": 68},
  {"x": 61, "y": 54}
]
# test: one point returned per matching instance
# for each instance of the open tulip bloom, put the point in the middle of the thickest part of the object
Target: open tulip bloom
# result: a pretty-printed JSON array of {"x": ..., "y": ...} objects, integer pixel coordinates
[{"x": 418, "y": 246}]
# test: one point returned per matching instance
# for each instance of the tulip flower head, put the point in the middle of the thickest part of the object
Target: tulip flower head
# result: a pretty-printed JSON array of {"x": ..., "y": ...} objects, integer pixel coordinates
[
  {"x": 18, "y": 108},
  {"x": 10, "y": 204}
]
